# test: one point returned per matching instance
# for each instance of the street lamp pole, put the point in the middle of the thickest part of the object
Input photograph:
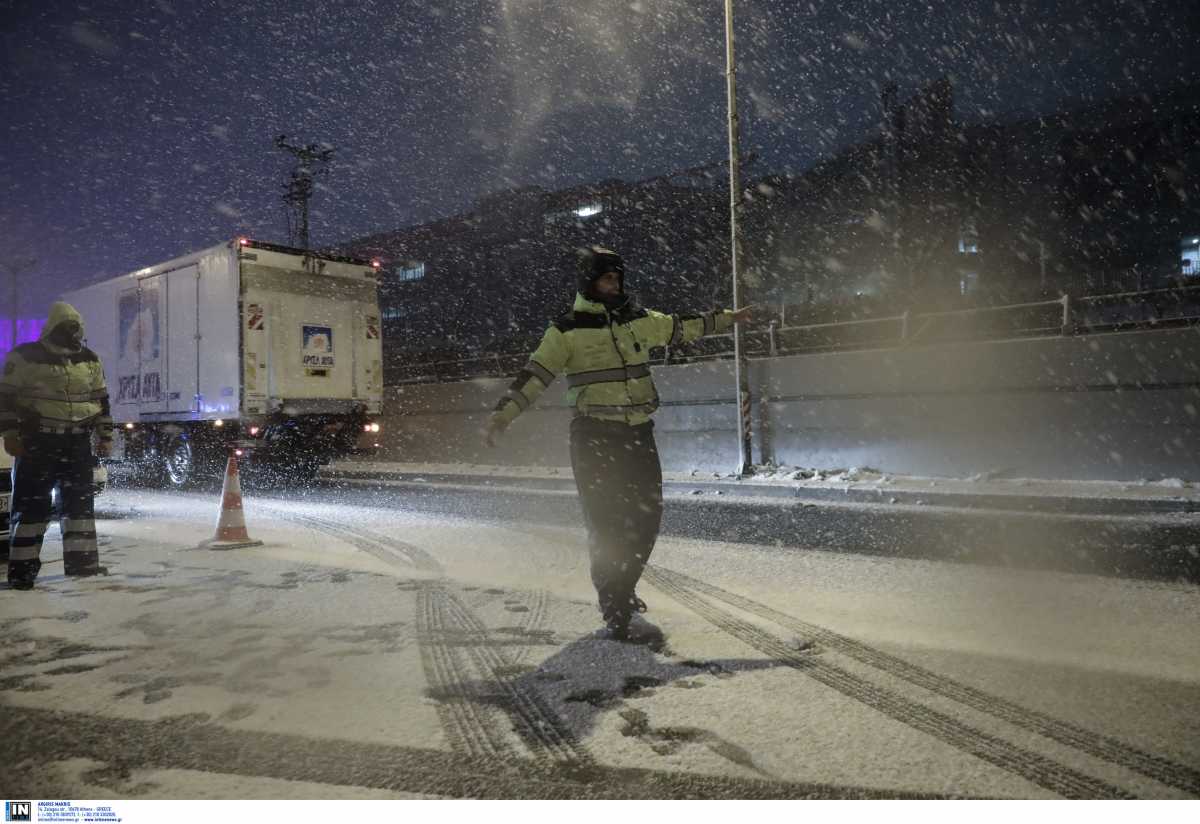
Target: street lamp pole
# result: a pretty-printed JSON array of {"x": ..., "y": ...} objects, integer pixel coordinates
[
  {"x": 16, "y": 266},
  {"x": 13, "y": 274},
  {"x": 741, "y": 370}
]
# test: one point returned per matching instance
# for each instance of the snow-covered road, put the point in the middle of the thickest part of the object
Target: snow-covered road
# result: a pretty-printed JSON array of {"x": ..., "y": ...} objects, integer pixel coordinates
[{"x": 370, "y": 649}]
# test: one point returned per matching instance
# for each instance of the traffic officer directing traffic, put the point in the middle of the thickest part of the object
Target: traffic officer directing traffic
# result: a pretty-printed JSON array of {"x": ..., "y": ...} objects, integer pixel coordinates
[
  {"x": 603, "y": 344},
  {"x": 53, "y": 397}
]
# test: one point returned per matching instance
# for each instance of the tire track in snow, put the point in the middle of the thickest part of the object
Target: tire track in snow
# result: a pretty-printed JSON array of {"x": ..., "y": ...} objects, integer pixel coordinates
[
  {"x": 1038, "y": 769},
  {"x": 544, "y": 732},
  {"x": 465, "y": 717},
  {"x": 1106, "y": 748},
  {"x": 449, "y": 633},
  {"x": 389, "y": 550},
  {"x": 34, "y": 741}
]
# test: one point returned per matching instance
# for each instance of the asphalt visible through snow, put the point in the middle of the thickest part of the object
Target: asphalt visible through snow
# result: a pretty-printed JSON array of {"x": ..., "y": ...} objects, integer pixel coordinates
[{"x": 399, "y": 642}]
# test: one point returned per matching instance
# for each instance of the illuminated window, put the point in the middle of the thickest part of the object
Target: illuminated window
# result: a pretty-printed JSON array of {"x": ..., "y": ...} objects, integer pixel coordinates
[
  {"x": 588, "y": 209},
  {"x": 1189, "y": 259},
  {"x": 413, "y": 271},
  {"x": 968, "y": 238}
]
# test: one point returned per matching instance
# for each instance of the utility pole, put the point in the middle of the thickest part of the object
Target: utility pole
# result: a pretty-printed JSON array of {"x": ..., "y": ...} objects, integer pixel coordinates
[
  {"x": 1042, "y": 261},
  {"x": 741, "y": 368},
  {"x": 17, "y": 266},
  {"x": 299, "y": 190}
]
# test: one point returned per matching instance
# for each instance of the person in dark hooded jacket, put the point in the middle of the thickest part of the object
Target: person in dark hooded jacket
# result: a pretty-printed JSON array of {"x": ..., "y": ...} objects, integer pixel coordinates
[
  {"x": 53, "y": 400},
  {"x": 603, "y": 345}
]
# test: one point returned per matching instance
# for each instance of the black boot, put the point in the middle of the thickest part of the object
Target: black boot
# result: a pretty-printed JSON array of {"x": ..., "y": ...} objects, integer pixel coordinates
[
  {"x": 22, "y": 574},
  {"x": 616, "y": 626}
]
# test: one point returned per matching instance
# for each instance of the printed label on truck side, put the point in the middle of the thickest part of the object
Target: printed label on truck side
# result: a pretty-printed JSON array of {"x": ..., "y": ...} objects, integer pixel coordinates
[
  {"x": 318, "y": 346},
  {"x": 250, "y": 371},
  {"x": 139, "y": 344},
  {"x": 145, "y": 388},
  {"x": 151, "y": 387}
]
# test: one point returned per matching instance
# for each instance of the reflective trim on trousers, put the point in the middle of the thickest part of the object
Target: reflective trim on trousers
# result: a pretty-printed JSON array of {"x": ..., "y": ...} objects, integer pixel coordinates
[
  {"x": 75, "y": 545},
  {"x": 25, "y": 552},
  {"x": 79, "y": 535},
  {"x": 26, "y": 541},
  {"x": 32, "y": 529},
  {"x": 73, "y": 525}
]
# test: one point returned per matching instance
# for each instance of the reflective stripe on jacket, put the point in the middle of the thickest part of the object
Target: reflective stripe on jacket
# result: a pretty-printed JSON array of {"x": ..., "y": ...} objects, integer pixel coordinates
[
  {"x": 606, "y": 358},
  {"x": 42, "y": 389}
]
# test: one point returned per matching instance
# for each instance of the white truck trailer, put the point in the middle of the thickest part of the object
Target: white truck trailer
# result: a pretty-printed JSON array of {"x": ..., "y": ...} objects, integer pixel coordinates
[{"x": 269, "y": 352}]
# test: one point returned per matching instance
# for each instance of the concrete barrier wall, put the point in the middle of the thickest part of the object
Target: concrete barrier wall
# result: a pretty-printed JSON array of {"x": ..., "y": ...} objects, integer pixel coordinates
[{"x": 1106, "y": 407}]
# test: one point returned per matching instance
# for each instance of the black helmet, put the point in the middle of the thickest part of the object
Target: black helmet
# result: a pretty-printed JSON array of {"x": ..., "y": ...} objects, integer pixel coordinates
[{"x": 595, "y": 261}]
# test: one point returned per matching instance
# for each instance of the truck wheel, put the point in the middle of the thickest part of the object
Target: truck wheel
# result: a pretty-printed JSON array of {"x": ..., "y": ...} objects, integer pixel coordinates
[
  {"x": 307, "y": 470},
  {"x": 149, "y": 472},
  {"x": 180, "y": 462}
]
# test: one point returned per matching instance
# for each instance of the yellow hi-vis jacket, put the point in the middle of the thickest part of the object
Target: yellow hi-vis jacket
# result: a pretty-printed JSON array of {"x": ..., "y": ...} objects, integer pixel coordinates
[
  {"x": 606, "y": 357},
  {"x": 44, "y": 389}
]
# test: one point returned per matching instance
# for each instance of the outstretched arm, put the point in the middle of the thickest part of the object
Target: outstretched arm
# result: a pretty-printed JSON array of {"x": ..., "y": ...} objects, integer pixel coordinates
[
  {"x": 544, "y": 364},
  {"x": 745, "y": 314},
  {"x": 676, "y": 329}
]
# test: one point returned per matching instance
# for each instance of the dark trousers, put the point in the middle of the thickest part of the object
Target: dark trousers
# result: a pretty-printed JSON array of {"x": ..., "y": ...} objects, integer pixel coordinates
[
  {"x": 619, "y": 478},
  {"x": 53, "y": 460}
]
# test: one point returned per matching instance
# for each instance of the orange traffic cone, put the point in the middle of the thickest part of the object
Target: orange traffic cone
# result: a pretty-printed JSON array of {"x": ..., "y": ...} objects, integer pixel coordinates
[{"x": 231, "y": 523}]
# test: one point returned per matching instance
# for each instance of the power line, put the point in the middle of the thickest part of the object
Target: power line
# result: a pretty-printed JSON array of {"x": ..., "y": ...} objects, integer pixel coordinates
[{"x": 298, "y": 191}]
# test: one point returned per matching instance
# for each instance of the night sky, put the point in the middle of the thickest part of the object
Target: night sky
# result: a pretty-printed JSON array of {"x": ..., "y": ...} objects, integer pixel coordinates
[{"x": 136, "y": 130}]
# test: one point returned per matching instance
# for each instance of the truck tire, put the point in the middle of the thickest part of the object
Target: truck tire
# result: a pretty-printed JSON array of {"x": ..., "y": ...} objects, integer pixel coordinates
[
  {"x": 148, "y": 471},
  {"x": 179, "y": 462},
  {"x": 307, "y": 470}
]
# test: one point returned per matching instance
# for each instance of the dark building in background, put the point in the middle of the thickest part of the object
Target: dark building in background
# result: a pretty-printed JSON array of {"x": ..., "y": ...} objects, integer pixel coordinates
[
  {"x": 490, "y": 281},
  {"x": 1089, "y": 201},
  {"x": 932, "y": 214},
  {"x": 879, "y": 223},
  {"x": 926, "y": 215}
]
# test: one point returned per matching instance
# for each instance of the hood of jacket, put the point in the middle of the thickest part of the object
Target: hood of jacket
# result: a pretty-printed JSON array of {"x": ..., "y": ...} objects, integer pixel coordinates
[{"x": 60, "y": 312}]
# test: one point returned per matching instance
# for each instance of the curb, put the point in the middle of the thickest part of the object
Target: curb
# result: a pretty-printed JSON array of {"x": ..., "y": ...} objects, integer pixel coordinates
[
  {"x": 1148, "y": 544},
  {"x": 991, "y": 501}
]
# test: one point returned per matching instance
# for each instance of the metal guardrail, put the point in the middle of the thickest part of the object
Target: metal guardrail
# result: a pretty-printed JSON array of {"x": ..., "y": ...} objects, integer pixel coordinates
[{"x": 1061, "y": 316}]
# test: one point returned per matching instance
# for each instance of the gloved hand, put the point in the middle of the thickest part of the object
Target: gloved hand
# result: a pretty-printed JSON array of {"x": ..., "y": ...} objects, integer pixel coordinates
[
  {"x": 13, "y": 446},
  {"x": 745, "y": 314},
  {"x": 495, "y": 428}
]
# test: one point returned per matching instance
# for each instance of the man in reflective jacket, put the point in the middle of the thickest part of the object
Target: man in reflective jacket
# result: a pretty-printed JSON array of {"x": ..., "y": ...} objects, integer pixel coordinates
[
  {"x": 53, "y": 397},
  {"x": 603, "y": 345}
]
